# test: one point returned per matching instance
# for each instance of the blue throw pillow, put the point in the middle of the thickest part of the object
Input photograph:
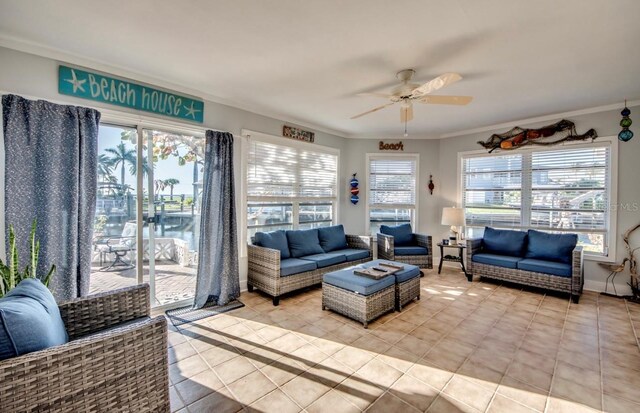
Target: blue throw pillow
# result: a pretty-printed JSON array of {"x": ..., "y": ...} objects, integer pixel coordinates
[
  {"x": 304, "y": 242},
  {"x": 29, "y": 320},
  {"x": 332, "y": 238},
  {"x": 552, "y": 247},
  {"x": 402, "y": 234},
  {"x": 276, "y": 240},
  {"x": 504, "y": 242}
]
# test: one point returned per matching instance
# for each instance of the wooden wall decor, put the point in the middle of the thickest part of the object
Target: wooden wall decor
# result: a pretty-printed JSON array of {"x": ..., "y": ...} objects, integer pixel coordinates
[
  {"x": 519, "y": 137},
  {"x": 398, "y": 146},
  {"x": 298, "y": 134}
]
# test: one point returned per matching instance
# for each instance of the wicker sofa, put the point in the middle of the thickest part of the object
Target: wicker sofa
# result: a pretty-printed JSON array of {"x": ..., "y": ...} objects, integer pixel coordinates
[
  {"x": 560, "y": 270},
  {"x": 115, "y": 360},
  {"x": 267, "y": 269},
  {"x": 417, "y": 249}
]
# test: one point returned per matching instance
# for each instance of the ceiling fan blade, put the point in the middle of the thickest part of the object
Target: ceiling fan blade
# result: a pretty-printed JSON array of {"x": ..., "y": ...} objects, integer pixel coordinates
[
  {"x": 435, "y": 84},
  {"x": 376, "y": 95},
  {"x": 406, "y": 114},
  {"x": 446, "y": 100},
  {"x": 372, "y": 110}
]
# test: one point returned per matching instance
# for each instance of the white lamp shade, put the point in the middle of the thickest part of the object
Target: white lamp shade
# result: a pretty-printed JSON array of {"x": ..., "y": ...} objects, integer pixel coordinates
[{"x": 453, "y": 216}]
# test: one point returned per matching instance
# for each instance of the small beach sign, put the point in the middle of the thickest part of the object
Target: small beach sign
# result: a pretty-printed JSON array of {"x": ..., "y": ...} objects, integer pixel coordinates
[{"x": 93, "y": 86}]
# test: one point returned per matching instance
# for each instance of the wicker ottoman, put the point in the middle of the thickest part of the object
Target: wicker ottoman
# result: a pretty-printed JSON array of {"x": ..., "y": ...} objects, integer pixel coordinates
[
  {"x": 359, "y": 298},
  {"x": 407, "y": 281}
]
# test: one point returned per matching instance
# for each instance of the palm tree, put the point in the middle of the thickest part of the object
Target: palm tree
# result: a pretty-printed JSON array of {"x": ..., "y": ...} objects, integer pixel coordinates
[
  {"x": 121, "y": 156},
  {"x": 105, "y": 168},
  {"x": 171, "y": 182}
]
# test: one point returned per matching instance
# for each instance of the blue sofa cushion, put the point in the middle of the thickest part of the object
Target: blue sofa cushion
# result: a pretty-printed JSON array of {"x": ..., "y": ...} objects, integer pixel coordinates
[
  {"x": 402, "y": 234},
  {"x": 332, "y": 238},
  {"x": 546, "y": 267},
  {"x": 276, "y": 240},
  {"x": 304, "y": 242},
  {"x": 551, "y": 247},
  {"x": 504, "y": 242},
  {"x": 410, "y": 250},
  {"x": 409, "y": 271},
  {"x": 325, "y": 260},
  {"x": 347, "y": 280},
  {"x": 29, "y": 320},
  {"x": 352, "y": 254},
  {"x": 292, "y": 266},
  {"x": 504, "y": 261}
]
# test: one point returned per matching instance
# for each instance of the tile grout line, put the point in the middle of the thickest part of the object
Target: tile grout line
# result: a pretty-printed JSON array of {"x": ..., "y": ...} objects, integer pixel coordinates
[
  {"x": 466, "y": 358},
  {"x": 555, "y": 366},
  {"x": 421, "y": 357},
  {"x": 514, "y": 357}
]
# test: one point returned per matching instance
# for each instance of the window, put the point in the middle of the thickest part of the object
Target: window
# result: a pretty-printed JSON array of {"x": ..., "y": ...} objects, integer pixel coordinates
[
  {"x": 557, "y": 190},
  {"x": 289, "y": 187},
  {"x": 392, "y": 190}
]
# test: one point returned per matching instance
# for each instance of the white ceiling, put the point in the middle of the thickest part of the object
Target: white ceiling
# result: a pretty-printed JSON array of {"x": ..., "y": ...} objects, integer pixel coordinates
[{"x": 306, "y": 60}]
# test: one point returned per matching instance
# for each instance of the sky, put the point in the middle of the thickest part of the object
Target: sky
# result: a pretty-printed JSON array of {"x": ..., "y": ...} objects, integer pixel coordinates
[{"x": 109, "y": 137}]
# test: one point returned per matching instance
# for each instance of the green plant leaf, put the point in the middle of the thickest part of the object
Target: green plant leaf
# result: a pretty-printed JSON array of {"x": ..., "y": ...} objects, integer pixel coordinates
[
  {"x": 47, "y": 279},
  {"x": 13, "y": 254}
]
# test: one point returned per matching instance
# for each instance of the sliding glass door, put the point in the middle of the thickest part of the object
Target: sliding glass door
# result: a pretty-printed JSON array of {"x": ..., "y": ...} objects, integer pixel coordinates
[{"x": 148, "y": 212}]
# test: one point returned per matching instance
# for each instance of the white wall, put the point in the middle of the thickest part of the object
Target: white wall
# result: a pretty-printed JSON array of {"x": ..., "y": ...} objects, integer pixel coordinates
[
  {"x": 36, "y": 76},
  {"x": 354, "y": 216}
]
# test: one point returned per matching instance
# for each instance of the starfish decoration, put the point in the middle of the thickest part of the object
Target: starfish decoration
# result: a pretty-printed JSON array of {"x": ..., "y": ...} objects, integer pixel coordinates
[
  {"x": 191, "y": 111},
  {"x": 77, "y": 83}
]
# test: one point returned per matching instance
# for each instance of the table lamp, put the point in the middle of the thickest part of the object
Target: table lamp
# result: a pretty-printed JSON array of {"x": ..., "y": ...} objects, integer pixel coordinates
[{"x": 454, "y": 217}]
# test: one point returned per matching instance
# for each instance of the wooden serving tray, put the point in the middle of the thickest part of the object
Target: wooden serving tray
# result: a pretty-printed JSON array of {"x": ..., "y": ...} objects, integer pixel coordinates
[{"x": 379, "y": 271}]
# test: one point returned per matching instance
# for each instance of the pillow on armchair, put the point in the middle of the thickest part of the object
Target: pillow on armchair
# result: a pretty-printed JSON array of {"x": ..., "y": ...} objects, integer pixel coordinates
[
  {"x": 402, "y": 234},
  {"x": 29, "y": 320}
]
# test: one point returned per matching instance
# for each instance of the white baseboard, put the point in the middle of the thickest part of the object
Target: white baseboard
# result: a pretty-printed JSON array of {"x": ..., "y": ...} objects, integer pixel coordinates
[{"x": 599, "y": 286}]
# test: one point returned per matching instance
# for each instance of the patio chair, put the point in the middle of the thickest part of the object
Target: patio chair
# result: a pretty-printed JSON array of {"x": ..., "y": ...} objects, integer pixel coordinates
[
  {"x": 119, "y": 246},
  {"x": 115, "y": 360}
]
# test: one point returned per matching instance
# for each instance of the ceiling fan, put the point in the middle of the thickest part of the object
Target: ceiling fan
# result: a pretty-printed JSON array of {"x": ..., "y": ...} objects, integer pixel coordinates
[{"x": 407, "y": 92}]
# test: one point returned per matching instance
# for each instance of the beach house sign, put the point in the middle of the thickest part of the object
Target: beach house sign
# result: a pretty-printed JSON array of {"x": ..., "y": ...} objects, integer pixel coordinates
[{"x": 101, "y": 88}]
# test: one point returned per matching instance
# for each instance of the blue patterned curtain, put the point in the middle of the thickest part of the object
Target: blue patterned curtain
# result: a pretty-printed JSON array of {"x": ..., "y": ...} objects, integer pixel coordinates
[
  {"x": 218, "y": 277},
  {"x": 51, "y": 154}
]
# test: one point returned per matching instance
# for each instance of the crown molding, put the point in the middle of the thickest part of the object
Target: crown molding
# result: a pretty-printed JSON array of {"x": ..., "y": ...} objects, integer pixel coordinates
[
  {"x": 60, "y": 55},
  {"x": 545, "y": 118}
]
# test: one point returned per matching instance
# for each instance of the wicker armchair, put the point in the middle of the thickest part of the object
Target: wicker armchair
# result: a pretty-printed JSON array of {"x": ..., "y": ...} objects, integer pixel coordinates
[
  {"x": 115, "y": 360},
  {"x": 264, "y": 269},
  {"x": 386, "y": 250}
]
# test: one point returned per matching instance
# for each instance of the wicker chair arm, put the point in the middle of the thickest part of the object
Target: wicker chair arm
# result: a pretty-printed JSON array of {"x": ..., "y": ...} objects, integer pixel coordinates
[
  {"x": 264, "y": 257},
  {"x": 385, "y": 247},
  {"x": 122, "y": 368},
  {"x": 363, "y": 242},
  {"x": 474, "y": 245},
  {"x": 577, "y": 270},
  {"x": 93, "y": 313},
  {"x": 424, "y": 241}
]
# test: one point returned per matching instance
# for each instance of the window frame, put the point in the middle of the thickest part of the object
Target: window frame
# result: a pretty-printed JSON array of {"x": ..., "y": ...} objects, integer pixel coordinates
[
  {"x": 612, "y": 184},
  {"x": 247, "y": 137},
  {"x": 378, "y": 155}
]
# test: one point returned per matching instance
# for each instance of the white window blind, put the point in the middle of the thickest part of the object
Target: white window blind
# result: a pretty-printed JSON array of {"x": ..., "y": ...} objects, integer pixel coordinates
[
  {"x": 392, "y": 182},
  {"x": 278, "y": 171},
  {"x": 492, "y": 193},
  {"x": 289, "y": 187},
  {"x": 561, "y": 190},
  {"x": 391, "y": 191}
]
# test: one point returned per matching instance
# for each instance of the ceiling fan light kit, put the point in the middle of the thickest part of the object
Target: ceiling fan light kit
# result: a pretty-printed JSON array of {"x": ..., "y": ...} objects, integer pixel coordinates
[{"x": 407, "y": 92}]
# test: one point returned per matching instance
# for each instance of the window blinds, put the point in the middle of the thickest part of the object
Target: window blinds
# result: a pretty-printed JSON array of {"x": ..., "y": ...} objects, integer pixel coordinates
[
  {"x": 564, "y": 190},
  {"x": 278, "y": 171},
  {"x": 392, "y": 182}
]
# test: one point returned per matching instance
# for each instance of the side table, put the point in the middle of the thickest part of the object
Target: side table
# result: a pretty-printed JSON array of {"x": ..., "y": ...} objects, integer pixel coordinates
[{"x": 453, "y": 258}]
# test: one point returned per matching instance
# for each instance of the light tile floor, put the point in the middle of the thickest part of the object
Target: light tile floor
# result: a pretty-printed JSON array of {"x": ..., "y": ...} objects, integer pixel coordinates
[{"x": 464, "y": 347}]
